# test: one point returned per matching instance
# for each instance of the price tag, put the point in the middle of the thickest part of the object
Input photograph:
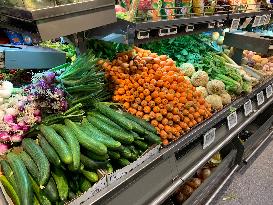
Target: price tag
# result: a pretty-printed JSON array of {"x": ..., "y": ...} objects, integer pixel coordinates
[
  {"x": 269, "y": 91},
  {"x": 256, "y": 21},
  {"x": 143, "y": 34},
  {"x": 260, "y": 98},
  {"x": 167, "y": 31},
  {"x": 209, "y": 138},
  {"x": 248, "y": 107},
  {"x": 232, "y": 120},
  {"x": 267, "y": 20},
  {"x": 211, "y": 25},
  {"x": 235, "y": 24},
  {"x": 189, "y": 28},
  {"x": 246, "y": 23},
  {"x": 262, "y": 20}
]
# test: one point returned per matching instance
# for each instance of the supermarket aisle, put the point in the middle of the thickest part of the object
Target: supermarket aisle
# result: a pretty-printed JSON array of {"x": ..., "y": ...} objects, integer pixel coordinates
[{"x": 255, "y": 185}]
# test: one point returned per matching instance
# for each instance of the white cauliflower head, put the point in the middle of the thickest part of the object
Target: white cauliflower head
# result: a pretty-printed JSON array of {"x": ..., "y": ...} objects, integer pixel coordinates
[
  {"x": 200, "y": 78},
  {"x": 216, "y": 87},
  {"x": 215, "y": 101},
  {"x": 188, "y": 69}
]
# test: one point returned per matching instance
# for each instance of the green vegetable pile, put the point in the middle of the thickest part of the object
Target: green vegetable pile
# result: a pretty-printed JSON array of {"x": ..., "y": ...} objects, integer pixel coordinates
[{"x": 67, "y": 159}]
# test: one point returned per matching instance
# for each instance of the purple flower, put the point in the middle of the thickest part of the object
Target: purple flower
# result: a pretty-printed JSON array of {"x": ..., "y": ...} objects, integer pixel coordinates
[{"x": 49, "y": 77}]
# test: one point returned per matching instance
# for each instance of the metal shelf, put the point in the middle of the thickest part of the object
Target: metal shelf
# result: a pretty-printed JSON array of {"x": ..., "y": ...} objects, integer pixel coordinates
[{"x": 53, "y": 22}]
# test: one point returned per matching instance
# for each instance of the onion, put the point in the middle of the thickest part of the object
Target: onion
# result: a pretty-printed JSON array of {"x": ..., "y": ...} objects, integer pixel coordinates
[
  {"x": 194, "y": 183},
  {"x": 180, "y": 198},
  {"x": 204, "y": 173},
  {"x": 187, "y": 191}
]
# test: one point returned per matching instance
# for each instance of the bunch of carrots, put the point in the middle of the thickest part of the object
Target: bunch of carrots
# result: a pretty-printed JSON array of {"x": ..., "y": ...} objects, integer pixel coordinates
[{"x": 151, "y": 87}]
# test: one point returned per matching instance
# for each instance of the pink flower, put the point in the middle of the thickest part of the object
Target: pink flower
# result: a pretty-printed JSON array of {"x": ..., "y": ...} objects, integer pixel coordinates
[
  {"x": 8, "y": 118},
  {"x": 4, "y": 148},
  {"x": 16, "y": 138}
]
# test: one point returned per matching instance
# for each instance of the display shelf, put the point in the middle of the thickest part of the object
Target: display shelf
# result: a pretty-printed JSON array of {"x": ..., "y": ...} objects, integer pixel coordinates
[
  {"x": 159, "y": 176},
  {"x": 52, "y": 22}
]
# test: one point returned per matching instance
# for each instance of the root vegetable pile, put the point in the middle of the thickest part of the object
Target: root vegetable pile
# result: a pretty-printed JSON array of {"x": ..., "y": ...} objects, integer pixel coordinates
[{"x": 151, "y": 87}]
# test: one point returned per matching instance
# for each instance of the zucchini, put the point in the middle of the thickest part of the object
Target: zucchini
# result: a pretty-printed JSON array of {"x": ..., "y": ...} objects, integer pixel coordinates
[
  {"x": 86, "y": 141},
  {"x": 114, "y": 155},
  {"x": 152, "y": 138},
  {"x": 141, "y": 145},
  {"x": 141, "y": 122},
  {"x": 10, "y": 190},
  {"x": 94, "y": 156},
  {"x": 9, "y": 174},
  {"x": 91, "y": 164},
  {"x": 125, "y": 152},
  {"x": 25, "y": 193},
  {"x": 72, "y": 143},
  {"x": 49, "y": 151},
  {"x": 38, "y": 193},
  {"x": 91, "y": 176},
  {"x": 58, "y": 143},
  {"x": 117, "y": 134},
  {"x": 84, "y": 184},
  {"x": 61, "y": 182},
  {"x": 38, "y": 156},
  {"x": 123, "y": 162},
  {"x": 114, "y": 115}
]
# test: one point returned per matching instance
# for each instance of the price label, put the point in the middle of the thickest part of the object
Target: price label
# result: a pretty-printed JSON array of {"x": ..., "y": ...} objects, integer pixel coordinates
[
  {"x": 256, "y": 21},
  {"x": 232, "y": 120},
  {"x": 269, "y": 91},
  {"x": 267, "y": 20},
  {"x": 143, "y": 34},
  {"x": 246, "y": 23},
  {"x": 235, "y": 24},
  {"x": 260, "y": 98},
  {"x": 209, "y": 138},
  {"x": 248, "y": 108},
  {"x": 189, "y": 28}
]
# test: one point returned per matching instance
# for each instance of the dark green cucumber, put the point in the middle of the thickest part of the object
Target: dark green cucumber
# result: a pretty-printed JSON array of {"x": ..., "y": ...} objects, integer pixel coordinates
[
  {"x": 141, "y": 122},
  {"x": 94, "y": 156},
  {"x": 91, "y": 176},
  {"x": 40, "y": 159},
  {"x": 86, "y": 141},
  {"x": 99, "y": 135},
  {"x": 114, "y": 155},
  {"x": 125, "y": 152},
  {"x": 103, "y": 118},
  {"x": 84, "y": 184},
  {"x": 123, "y": 162},
  {"x": 25, "y": 193},
  {"x": 10, "y": 190},
  {"x": 109, "y": 168},
  {"x": 152, "y": 138},
  {"x": 136, "y": 136},
  {"x": 72, "y": 143},
  {"x": 41, "y": 197},
  {"x": 141, "y": 145},
  {"x": 134, "y": 152},
  {"x": 91, "y": 164},
  {"x": 115, "y": 116},
  {"x": 49, "y": 151},
  {"x": 50, "y": 189},
  {"x": 57, "y": 142},
  {"x": 116, "y": 133},
  {"x": 61, "y": 182},
  {"x": 9, "y": 174}
]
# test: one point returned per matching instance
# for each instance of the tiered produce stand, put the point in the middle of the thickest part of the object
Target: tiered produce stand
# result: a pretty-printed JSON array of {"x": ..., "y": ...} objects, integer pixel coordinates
[{"x": 156, "y": 175}]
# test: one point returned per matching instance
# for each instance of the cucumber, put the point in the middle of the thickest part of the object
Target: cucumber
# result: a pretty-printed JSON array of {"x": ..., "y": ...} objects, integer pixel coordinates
[
  {"x": 86, "y": 141},
  {"x": 58, "y": 143},
  {"x": 94, "y": 156},
  {"x": 9, "y": 174},
  {"x": 114, "y": 116},
  {"x": 38, "y": 156},
  {"x": 152, "y": 138},
  {"x": 123, "y": 162},
  {"x": 61, "y": 182},
  {"x": 136, "y": 136},
  {"x": 103, "y": 118},
  {"x": 141, "y": 122},
  {"x": 72, "y": 143},
  {"x": 100, "y": 136},
  {"x": 49, "y": 151},
  {"x": 141, "y": 145},
  {"x": 41, "y": 197},
  {"x": 84, "y": 184},
  {"x": 116, "y": 133},
  {"x": 91, "y": 164},
  {"x": 91, "y": 176},
  {"x": 114, "y": 155},
  {"x": 10, "y": 190},
  {"x": 134, "y": 152},
  {"x": 25, "y": 193},
  {"x": 125, "y": 152},
  {"x": 35, "y": 201},
  {"x": 109, "y": 168},
  {"x": 50, "y": 189}
]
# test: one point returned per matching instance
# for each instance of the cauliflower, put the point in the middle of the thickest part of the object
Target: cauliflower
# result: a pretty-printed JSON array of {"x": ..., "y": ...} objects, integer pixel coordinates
[
  {"x": 200, "y": 78},
  {"x": 226, "y": 98},
  {"x": 188, "y": 69},
  {"x": 215, "y": 101},
  {"x": 216, "y": 87},
  {"x": 187, "y": 78},
  {"x": 203, "y": 91}
]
